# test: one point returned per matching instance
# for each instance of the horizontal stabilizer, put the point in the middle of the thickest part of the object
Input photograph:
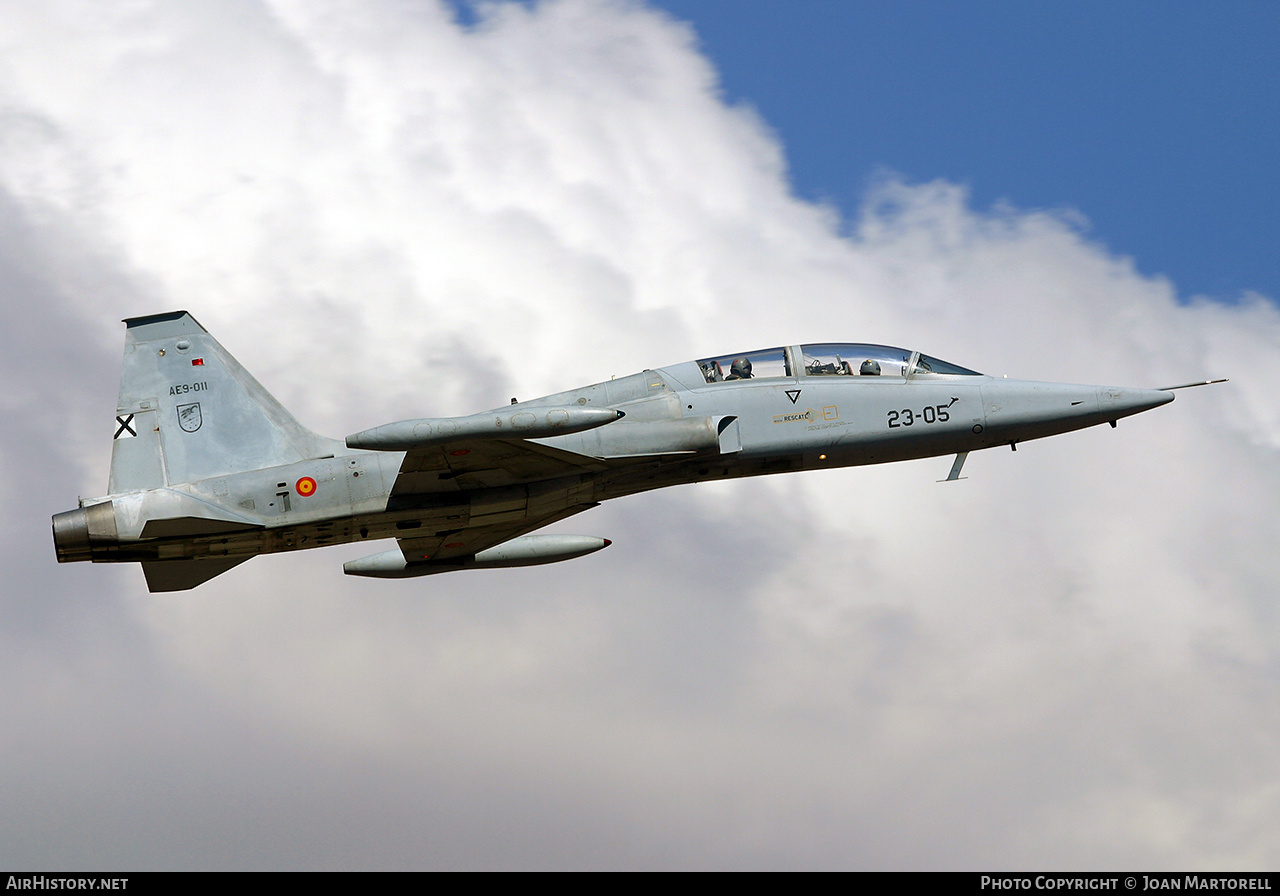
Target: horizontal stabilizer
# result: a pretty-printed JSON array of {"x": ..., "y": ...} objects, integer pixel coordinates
[{"x": 183, "y": 575}]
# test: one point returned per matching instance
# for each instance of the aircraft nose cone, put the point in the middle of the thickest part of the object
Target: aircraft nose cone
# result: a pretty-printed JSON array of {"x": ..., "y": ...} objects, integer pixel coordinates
[{"x": 1123, "y": 402}]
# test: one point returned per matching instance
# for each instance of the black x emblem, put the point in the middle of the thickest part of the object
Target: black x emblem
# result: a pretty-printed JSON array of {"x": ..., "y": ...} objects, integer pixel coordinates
[{"x": 126, "y": 426}]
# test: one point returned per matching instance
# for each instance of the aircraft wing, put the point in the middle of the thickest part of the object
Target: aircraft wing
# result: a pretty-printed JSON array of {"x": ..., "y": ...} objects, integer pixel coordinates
[
  {"x": 468, "y": 464},
  {"x": 465, "y": 543}
]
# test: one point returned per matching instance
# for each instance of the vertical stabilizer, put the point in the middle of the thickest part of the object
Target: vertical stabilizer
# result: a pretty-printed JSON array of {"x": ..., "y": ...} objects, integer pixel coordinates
[{"x": 189, "y": 411}]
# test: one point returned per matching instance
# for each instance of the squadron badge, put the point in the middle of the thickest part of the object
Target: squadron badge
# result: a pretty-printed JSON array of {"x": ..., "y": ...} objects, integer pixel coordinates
[{"x": 189, "y": 417}]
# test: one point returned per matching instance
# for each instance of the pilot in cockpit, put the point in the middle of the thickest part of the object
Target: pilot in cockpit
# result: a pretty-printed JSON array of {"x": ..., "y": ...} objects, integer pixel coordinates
[
  {"x": 869, "y": 368},
  {"x": 740, "y": 369}
]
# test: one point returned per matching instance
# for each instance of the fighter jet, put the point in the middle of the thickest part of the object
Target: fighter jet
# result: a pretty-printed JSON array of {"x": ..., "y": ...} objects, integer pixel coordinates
[{"x": 208, "y": 469}]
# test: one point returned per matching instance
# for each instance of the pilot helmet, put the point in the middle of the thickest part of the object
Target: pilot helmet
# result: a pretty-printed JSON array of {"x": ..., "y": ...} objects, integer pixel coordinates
[
  {"x": 869, "y": 368},
  {"x": 741, "y": 368}
]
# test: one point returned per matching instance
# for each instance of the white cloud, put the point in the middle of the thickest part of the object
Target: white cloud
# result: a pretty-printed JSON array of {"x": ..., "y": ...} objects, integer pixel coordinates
[{"x": 1069, "y": 659}]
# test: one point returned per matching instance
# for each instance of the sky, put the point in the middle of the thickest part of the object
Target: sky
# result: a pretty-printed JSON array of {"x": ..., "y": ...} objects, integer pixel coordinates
[
  {"x": 385, "y": 210},
  {"x": 1157, "y": 122}
]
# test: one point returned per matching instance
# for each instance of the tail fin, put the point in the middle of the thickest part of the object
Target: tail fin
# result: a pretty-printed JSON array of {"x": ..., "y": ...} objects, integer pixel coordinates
[{"x": 189, "y": 411}]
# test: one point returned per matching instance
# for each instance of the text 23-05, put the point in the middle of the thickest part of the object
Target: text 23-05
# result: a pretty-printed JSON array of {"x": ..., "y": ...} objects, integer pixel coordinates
[{"x": 907, "y": 417}]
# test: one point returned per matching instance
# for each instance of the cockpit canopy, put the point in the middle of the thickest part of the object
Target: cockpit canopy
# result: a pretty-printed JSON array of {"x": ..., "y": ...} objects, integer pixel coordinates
[
  {"x": 750, "y": 365},
  {"x": 830, "y": 359}
]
